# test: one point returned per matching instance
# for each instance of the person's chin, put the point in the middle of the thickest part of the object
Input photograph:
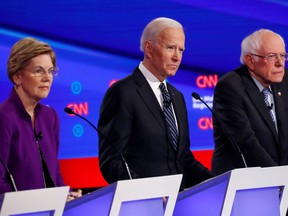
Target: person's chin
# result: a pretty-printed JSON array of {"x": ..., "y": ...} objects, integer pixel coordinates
[
  {"x": 43, "y": 96},
  {"x": 172, "y": 73},
  {"x": 277, "y": 79}
]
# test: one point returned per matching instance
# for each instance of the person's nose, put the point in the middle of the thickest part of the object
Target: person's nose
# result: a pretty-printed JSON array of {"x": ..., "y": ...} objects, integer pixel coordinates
[
  {"x": 279, "y": 61},
  {"x": 177, "y": 55},
  {"x": 47, "y": 76}
]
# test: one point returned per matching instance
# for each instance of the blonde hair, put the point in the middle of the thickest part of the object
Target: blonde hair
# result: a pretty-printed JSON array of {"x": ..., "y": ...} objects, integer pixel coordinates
[{"x": 24, "y": 50}]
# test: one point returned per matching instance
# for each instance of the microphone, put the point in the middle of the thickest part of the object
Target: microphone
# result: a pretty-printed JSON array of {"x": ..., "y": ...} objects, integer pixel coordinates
[
  {"x": 197, "y": 97},
  {"x": 12, "y": 182},
  {"x": 230, "y": 138},
  {"x": 270, "y": 107},
  {"x": 71, "y": 112},
  {"x": 166, "y": 98},
  {"x": 38, "y": 136}
]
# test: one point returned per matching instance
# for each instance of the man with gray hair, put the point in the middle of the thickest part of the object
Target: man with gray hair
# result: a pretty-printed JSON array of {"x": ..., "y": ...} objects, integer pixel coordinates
[
  {"x": 251, "y": 106},
  {"x": 144, "y": 119}
]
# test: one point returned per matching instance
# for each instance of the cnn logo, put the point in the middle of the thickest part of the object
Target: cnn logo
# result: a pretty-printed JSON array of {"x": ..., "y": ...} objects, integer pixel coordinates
[
  {"x": 205, "y": 123},
  {"x": 207, "y": 81}
]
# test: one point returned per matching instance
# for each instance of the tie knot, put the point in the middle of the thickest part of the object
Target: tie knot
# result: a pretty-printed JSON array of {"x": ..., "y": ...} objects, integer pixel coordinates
[
  {"x": 165, "y": 94},
  {"x": 162, "y": 87},
  {"x": 265, "y": 92}
]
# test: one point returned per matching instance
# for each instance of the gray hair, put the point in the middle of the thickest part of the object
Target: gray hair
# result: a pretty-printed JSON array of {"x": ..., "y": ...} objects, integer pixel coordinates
[
  {"x": 157, "y": 25},
  {"x": 253, "y": 42}
]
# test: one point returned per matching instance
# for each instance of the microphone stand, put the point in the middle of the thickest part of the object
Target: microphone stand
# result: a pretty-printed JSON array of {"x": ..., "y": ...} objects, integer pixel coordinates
[
  {"x": 71, "y": 112},
  {"x": 230, "y": 138},
  {"x": 10, "y": 176}
]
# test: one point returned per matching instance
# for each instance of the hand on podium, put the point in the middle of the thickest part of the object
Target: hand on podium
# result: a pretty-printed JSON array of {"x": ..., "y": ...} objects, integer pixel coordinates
[
  {"x": 164, "y": 202},
  {"x": 74, "y": 194}
]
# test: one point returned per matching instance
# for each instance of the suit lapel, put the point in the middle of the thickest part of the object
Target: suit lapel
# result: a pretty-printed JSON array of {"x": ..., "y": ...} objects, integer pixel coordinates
[
  {"x": 280, "y": 98},
  {"x": 258, "y": 100},
  {"x": 148, "y": 97},
  {"x": 279, "y": 109}
]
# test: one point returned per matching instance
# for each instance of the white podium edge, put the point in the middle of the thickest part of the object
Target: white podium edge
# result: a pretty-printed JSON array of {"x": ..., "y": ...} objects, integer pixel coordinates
[
  {"x": 147, "y": 188},
  {"x": 256, "y": 177},
  {"x": 38, "y": 200}
]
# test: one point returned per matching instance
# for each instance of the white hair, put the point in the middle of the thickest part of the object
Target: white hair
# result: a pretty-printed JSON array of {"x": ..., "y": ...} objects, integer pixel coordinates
[
  {"x": 157, "y": 25},
  {"x": 253, "y": 42}
]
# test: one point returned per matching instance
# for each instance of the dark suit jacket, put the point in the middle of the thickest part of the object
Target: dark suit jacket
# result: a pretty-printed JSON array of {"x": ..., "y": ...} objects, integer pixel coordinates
[
  {"x": 132, "y": 120},
  {"x": 239, "y": 108}
]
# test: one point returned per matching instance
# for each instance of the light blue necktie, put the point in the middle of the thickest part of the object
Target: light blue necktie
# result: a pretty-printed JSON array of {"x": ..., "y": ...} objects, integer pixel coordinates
[{"x": 265, "y": 93}]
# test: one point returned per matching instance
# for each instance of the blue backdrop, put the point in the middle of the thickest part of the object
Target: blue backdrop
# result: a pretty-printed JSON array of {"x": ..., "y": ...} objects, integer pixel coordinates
[{"x": 97, "y": 43}]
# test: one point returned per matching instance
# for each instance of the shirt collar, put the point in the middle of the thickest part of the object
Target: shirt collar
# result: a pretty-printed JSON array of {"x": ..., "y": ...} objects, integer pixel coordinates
[
  {"x": 260, "y": 87},
  {"x": 153, "y": 81}
]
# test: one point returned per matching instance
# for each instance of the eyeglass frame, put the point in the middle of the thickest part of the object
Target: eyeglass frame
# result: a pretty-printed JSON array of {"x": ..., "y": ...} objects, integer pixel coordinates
[
  {"x": 52, "y": 72},
  {"x": 272, "y": 56}
]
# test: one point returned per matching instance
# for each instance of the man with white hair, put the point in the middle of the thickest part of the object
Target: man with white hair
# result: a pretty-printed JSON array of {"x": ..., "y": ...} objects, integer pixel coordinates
[
  {"x": 144, "y": 118},
  {"x": 251, "y": 107}
]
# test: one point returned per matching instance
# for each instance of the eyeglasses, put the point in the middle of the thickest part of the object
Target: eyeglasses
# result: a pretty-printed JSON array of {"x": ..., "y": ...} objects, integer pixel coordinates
[
  {"x": 273, "y": 56},
  {"x": 40, "y": 71}
]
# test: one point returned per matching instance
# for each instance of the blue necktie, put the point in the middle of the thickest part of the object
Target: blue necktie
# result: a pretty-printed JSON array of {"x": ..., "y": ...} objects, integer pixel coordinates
[
  {"x": 169, "y": 116},
  {"x": 265, "y": 93}
]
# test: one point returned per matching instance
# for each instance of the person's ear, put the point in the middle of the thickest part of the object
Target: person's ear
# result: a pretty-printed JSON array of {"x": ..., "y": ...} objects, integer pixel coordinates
[
  {"x": 148, "y": 49},
  {"x": 249, "y": 60},
  {"x": 16, "y": 79}
]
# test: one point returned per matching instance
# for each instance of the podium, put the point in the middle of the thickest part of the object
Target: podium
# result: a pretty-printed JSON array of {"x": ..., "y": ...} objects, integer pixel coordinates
[
  {"x": 240, "y": 192},
  {"x": 38, "y": 202},
  {"x": 141, "y": 197}
]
